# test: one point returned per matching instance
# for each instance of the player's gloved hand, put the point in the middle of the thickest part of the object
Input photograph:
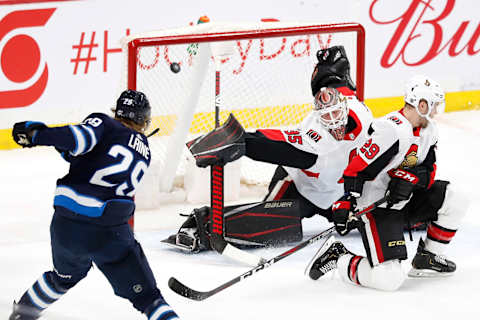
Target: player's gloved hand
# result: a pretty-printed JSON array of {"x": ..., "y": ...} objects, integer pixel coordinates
[
  {"x": 24, "y": 132},
  {"x": 401, "y": 185},
  {"x": 343, "y": 216},
  {"x": 332, "y": 70}
]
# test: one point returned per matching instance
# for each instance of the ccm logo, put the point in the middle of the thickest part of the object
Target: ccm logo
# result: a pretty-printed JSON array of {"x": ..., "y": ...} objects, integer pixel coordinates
[
  {"x": 395, "y": 243},
  {"x": 405, "y": 176},
  {"x": 20, "y": 58}
]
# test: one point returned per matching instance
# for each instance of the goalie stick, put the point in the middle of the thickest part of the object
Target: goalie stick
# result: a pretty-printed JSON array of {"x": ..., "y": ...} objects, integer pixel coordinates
[
  {"x": 217, "y": 239},
  {"x": 192, "y": 294}
]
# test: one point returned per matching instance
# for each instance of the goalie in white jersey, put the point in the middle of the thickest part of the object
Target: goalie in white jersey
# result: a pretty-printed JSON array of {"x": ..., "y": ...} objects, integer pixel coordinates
[
  {"x": 311, "y": 161},
  {"x": 396, "y": 161},
  {"x": 332, "y": 131}
]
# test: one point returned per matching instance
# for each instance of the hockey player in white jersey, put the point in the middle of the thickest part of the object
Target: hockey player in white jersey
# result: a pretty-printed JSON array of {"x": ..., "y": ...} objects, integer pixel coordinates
[
  {"x": 311, "y": 161},
  {"x": 332, "y": 131},
  {"x": 397, "y": 160}
]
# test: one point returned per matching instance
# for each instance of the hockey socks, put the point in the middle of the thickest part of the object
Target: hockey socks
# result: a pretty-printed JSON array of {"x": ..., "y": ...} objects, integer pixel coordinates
[
  {"x": 386, "y": 276},
  {"x": 438, "y": 238},
  {"x": 39, "y": 296},
  {"x": 160, "y": 310},
  {"x": 348, "y": 266}
]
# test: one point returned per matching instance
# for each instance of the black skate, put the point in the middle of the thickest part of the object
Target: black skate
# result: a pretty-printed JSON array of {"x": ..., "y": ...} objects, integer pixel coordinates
[
  {"x": 23, "y": 312},
  {"x": 427, "y": 264},
  {"x": 325, "y": 260}
]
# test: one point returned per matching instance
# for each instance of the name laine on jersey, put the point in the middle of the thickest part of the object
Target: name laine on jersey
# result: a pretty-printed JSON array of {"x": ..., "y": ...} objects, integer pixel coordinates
[{"x": 137, "y": 144}]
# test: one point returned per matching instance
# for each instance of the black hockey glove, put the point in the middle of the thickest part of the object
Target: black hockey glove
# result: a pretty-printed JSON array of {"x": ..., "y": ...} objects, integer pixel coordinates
[
  {"x": 220, "y": 146},
  {"x": 423, "y": 175},
  {"x": 332, "y": 70},
  {"x": 343, "y": 214},
  {"x": 401, "y": 185},
  {"x": 24, "y": 132}
]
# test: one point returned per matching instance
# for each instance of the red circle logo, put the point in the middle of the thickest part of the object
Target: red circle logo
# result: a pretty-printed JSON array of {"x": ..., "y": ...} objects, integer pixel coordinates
[{"x": 20, "y": 58}]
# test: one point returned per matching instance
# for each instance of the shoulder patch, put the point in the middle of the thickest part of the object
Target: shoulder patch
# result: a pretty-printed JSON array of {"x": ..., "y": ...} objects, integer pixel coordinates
[
  {"x": 395, "y": 119},
  {"x": 312, "y": 134}
]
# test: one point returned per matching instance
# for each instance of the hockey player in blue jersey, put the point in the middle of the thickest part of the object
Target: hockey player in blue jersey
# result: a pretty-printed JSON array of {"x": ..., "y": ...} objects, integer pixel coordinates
[{"x": 93, "y": 202}]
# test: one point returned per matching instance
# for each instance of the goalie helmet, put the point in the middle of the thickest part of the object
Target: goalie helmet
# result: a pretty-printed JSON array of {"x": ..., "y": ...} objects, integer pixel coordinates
[
  {"x": 133, "y": 105},
  {"x": 420, "y": 88},
  {"x": 331, "y": 109}
]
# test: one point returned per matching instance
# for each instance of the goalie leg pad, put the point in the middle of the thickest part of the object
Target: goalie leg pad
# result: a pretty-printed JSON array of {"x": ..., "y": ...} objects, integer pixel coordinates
[
  {"x": 265, "y": 223},
  {"x": 249, "y": 225}
]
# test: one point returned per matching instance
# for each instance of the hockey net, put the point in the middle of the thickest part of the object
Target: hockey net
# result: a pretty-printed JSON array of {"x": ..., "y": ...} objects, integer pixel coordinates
[{"x": 265, "y": 73}]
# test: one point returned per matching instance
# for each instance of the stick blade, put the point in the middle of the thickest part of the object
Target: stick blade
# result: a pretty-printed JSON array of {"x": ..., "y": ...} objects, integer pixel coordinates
[{"x": 185, "y": 291}]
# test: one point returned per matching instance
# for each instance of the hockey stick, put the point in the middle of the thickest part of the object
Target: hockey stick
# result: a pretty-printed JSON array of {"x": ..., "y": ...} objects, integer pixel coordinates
[
  {"x": 217, "y": 239},
  {"x": 190, "y": 293},
  {"x": 216, "y": 181},
  {"x": 153, "y": 132}
]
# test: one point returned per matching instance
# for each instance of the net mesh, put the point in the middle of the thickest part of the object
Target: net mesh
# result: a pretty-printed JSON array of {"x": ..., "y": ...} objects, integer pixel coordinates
[{"x": 264, "y": 82}]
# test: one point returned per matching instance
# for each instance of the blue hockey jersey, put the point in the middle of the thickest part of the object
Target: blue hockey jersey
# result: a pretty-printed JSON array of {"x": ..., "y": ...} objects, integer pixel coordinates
[{"x": 107, "y": 162}]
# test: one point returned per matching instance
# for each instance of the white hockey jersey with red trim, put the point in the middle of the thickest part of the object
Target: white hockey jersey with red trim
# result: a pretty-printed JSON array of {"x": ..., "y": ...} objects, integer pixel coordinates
[
  {"x": 322, "y": 183},
  {"x": 394, "y": 143}
]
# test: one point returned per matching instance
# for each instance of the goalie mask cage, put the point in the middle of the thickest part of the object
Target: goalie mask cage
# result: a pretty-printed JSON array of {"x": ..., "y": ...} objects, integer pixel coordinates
[{"x": 265, "y": 82}]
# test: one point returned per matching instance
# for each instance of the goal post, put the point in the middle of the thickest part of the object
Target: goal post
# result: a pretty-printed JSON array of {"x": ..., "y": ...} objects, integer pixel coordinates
[{"x": 265, "y": 81}]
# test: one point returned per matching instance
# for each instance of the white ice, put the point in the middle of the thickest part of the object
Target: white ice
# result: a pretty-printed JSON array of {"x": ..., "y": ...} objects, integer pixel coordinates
[{"x": 280, "y": 292}]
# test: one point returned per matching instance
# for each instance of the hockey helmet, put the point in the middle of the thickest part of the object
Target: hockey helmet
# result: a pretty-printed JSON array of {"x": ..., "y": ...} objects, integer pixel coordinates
[
  {"x": 331, "y": 108},
  {"x": 133, "y": 105},
  {"x": 421, "y": 87}
]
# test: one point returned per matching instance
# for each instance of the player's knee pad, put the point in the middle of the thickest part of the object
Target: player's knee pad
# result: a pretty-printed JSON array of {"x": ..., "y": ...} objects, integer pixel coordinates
[
  {"x": 131, "y": 278},
  {"x": 453, "y": 209}
]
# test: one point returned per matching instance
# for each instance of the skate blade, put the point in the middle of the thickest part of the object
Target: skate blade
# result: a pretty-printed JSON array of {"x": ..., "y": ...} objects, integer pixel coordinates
[
  {"x": 320, "y": 251},
  {"x": 426, "y": 273}
]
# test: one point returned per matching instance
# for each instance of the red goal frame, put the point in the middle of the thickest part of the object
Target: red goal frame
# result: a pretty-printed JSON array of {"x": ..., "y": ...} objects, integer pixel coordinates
[{"x": 135, "y": 44}]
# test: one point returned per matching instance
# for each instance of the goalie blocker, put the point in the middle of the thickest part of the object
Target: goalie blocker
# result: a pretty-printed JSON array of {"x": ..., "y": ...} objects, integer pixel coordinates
[
  {"x": 220, "y": 146},
  {"x": 260, "y": 224}
]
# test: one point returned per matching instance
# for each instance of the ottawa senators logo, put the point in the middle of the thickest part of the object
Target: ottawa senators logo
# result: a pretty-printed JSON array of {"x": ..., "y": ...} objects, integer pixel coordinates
[
  {"x": 411, "y": 158},
  {"x": 395, "y": 119},
  {"x": 315, "y": 136}
]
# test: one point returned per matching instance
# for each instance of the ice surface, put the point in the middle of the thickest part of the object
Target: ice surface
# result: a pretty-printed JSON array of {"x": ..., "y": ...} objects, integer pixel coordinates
[{"x": 280, "y": 292}]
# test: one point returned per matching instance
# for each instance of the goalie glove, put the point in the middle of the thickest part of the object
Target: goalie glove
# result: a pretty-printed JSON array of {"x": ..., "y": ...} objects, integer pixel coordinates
[
  {"x": 220, "y": 146},
  {"x": 332, "y": 70},
  {"x": 24, "y": 132}
]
